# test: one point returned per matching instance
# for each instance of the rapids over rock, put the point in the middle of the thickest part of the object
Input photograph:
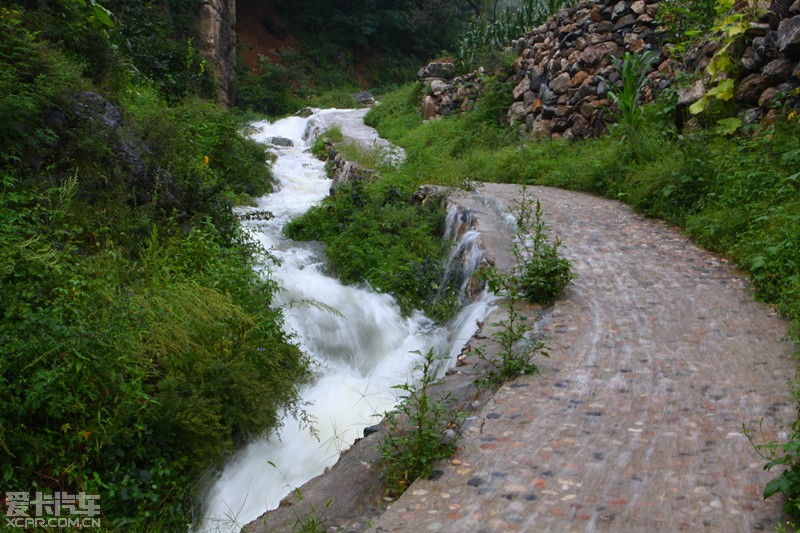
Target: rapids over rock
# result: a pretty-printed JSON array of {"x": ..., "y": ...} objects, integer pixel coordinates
[{"x": 360, "y": 343}]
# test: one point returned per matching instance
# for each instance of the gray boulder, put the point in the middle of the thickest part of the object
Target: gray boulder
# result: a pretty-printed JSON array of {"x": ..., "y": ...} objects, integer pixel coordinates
[{"x": 438, "y": 69}]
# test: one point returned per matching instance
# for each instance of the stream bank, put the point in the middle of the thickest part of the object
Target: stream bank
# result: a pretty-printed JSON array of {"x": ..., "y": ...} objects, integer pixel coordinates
[
  {"x": 322, "y": 500},
  {"x": 360, "y": 343}
]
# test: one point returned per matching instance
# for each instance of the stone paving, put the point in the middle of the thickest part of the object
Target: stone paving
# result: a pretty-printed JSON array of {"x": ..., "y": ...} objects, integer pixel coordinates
[{"x": 658, "y": 356}]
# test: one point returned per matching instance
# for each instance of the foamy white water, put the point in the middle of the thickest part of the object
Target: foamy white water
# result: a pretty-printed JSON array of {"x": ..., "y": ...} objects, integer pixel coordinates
[{"x": 358, "y": 339}]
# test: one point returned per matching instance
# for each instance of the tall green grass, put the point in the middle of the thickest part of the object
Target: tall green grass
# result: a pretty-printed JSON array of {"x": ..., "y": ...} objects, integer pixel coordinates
[{"x": 736, "y": 195}]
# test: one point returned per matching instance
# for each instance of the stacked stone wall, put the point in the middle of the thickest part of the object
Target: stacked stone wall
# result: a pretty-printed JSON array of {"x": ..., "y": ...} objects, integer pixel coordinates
[{"x": 564, "y": 70}]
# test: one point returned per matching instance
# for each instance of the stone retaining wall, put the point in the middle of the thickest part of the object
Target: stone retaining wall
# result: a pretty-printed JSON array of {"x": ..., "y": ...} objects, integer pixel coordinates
[{"x": 564, "y": 71}]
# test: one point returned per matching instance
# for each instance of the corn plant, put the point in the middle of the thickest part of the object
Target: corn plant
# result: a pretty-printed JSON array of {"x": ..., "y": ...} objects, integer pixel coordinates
[
  {"x": 633, "y": 70},
  {"x": 484, "y": 35}
]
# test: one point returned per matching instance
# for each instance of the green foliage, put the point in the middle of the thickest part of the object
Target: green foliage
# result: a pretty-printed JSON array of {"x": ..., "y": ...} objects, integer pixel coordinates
[
  {"x": 422, "y": 429},
  {"x": 128, "y": 377},
  {"x": 540, "y": 275},
  {"x": 160, "y": 48},
  {"x": 197, "y": 137},
  {"x": 784, "y": 455},
  {"x": 517, "y": 348},
  {"x": 274, "y": 89},
  {"x": 76, "y": 28},
  {"x": 730, "y": 26},
  {"x": 404, "y": 27},
  {"x": 633, "y": 70},
  {"x": 32, "y": 77},
  {"x": 445, "y": 151},
  {"x": 324, "y": 141},
  {"x": 544, "y": 273},
  {"x": 686, "y": 21},
  {"x": 488, "y": 34},
  {"x": 139, "y": 343},
  {"x": 372, "y": 233}
]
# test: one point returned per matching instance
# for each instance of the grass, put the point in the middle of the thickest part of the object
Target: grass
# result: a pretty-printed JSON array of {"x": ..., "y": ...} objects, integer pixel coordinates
[{"x": 739, "y": 196}]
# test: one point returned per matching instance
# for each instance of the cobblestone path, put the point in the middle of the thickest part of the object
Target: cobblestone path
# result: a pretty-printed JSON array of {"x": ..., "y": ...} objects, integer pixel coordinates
[{"x": 659, "y": 355}]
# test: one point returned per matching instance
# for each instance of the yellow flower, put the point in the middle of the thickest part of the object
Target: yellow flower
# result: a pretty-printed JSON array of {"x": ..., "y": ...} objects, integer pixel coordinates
[
  {"x": 792, "y": 115},
  {"x": 205, "y": 159}
]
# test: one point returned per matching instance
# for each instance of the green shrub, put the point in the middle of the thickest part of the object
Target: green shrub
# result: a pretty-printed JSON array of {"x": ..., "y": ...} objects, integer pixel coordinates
[
  {"x": 422, "y": 429},
  {"x": 139, "y": 343},
  {"x": 373, "y": 234},
  {"x": 160, "y": 46},
  {"x": 130, "y": 377}
]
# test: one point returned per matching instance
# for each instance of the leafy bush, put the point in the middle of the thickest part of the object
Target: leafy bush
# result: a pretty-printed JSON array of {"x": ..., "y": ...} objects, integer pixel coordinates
[
  {"x": 422, "y": 429},
  {"x": 139, "y": 343},
  {"x": 160, "y": 46},
  {"x": 373, "y": 234},
  {"x": 274, "y": 89},
  {"x": 130, "y": 377},
  {"x": 32, "y": 78},
  {"x": 542, "y": 273}
]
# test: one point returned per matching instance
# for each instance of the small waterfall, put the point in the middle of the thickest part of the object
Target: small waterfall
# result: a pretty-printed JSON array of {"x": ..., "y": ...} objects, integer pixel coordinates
[
  {"x": 360, "y": 342},
  {"x": 466, "y": 255}
]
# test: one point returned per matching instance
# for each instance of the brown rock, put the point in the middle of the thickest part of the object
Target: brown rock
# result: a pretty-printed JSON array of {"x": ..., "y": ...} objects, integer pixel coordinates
[
  {"x": 750, "y": 88},
  {"x": 217, "y": 43},
  {"x": 595, "y": 55},
  {"x": 625, "y": 22},
  {"x": 595, "y": 15},
  {"x": 777, "y": 70},
  {"x": 579, "y": 78},
  {"x": 516, "y": 113},
  {"x": 428, "y": 107},
  {"x": 789, "y": 36},
  {"x": 585, "y": 107},
  {"x": 689, "y": 95},
  {"x": 638, "y": 7},
  {"x": 563, "y": 110},
  {"x": 767, "y": 96},
  {"x": 580, "y": 126},
  {"x": 521, "y": 87},
  {"x": 540, "y": 129},
  {"x": 620, "y": 9},
  {"x": 561, "y": 83}
]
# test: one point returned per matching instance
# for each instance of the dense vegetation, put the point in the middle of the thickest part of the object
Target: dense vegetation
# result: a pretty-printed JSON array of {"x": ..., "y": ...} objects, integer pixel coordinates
[
  {"x": 374, "y": 234},
  {"x": 137, "y": 344},
  {"x": 345, "y": 44},
  {"x": 735, "y": 194}
]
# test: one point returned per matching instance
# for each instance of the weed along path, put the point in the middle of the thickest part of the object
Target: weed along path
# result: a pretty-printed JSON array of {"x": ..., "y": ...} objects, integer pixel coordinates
[{"x": 658, "y": 355}]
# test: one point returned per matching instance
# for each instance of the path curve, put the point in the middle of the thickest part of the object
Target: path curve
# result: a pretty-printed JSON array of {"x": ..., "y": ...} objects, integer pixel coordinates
[{"x": 659, "y": 354}]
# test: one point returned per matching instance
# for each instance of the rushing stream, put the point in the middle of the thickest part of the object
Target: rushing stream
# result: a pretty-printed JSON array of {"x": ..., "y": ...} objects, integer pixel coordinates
[{"x": 359, "y": 341}]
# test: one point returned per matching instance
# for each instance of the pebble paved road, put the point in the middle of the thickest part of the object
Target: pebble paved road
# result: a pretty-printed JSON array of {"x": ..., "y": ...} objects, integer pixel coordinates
[{"x": 659, "y": 354}]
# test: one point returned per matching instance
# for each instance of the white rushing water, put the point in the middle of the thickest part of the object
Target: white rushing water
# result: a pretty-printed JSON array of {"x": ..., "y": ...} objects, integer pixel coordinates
[{"x": 358, "y": 339}]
